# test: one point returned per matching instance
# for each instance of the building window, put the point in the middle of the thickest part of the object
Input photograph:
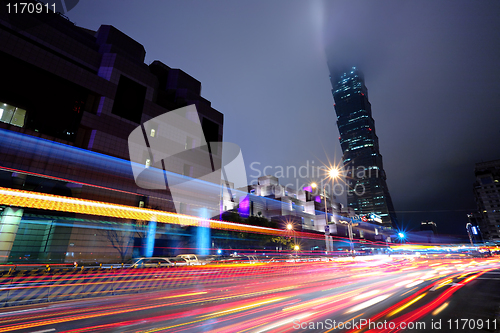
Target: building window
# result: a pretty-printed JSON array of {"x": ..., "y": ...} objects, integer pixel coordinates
[
  {"x": 153, "y": 132},
  {"x": 12, "y": 115},
  {"x": 148, "y": 163}
]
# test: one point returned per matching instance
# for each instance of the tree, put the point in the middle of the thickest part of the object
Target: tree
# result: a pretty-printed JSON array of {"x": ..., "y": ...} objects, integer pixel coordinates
[
  {"x": 286, "y": 241},
  {"x": 121, "y": 240}
]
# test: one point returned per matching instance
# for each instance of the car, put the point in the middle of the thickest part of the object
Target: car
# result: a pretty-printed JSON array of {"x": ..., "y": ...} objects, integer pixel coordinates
[
  {"x": 237, "y": 259},
  {"x": 160, "y": 262},
  {"x": 192, "y": 259}
]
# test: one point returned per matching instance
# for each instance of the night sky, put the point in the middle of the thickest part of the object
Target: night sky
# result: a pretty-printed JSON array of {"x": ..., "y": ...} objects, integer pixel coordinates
[{"x": 432, "y": 69}]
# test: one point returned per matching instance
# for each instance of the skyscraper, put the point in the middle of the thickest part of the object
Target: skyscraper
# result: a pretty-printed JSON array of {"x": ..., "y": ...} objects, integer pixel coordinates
[
  {"x": 366, "y": 178},
  {"x": 487, "y": 193}
]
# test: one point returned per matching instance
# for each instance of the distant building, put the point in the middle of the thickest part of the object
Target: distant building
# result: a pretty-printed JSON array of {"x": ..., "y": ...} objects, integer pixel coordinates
[
  {"x": 428, "y": 225},
  {"x": 368, "y": 192},
  {"x": 303, "y": 207},
  {"x": 487, "y": 194}
]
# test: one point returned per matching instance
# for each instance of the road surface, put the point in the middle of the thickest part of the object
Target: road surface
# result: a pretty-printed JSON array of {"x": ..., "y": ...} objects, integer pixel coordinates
[{"x": 377, "y": 294}]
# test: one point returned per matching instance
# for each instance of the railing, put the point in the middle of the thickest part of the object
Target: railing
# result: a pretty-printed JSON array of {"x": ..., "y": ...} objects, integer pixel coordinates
[{"x": 36, "y": 286}]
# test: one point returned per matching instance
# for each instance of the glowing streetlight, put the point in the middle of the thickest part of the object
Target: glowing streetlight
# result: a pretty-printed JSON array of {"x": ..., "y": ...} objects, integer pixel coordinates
[
  {"x": 333, "y": 173},
  {"x": 289, "y": 226}
]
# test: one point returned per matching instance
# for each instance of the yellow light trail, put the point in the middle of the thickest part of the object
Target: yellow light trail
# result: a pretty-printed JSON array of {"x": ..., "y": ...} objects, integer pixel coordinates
[
  {"x": 401, "y": 308},
  {"x": 183, "y": 295},
  {"x": 249, "y": 306},
  {"x": 441, "y": 308},
  {"x": 27, "y": 199}
]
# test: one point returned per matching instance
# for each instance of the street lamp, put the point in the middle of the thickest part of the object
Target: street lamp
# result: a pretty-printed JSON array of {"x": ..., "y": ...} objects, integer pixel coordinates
[
  {"x": 289, "y": 226},
  {"x": 332, "y": 173}
]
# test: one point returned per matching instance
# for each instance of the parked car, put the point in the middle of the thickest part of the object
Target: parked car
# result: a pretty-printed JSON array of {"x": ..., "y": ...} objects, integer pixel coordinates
[
  {"x": 237, "y": 259},
  {"x": 192, "y": 259},
  {"x": 159, "y": 262}
]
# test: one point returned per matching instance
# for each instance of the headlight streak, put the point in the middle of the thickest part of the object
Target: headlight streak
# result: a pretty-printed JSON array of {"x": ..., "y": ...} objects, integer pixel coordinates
[
  {"x": 284, "y": 322},
  {"x": 413, "y": 284},
  {"x": 368, "y": 303}
]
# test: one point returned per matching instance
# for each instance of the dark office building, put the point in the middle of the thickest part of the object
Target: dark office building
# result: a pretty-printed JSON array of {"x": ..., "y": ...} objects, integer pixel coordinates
[
  {"x": 69, "y": 99},
  {"x": 487, "y": 194},
  {"x": 367, "y": 187}
]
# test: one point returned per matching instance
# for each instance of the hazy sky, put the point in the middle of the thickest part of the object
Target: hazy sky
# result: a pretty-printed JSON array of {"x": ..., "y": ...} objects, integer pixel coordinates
[{"x": 431, "y": 68}]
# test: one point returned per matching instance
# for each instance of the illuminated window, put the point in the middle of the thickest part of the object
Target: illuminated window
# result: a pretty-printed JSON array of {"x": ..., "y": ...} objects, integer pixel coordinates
[
  {"x": 148, "y": 163},
  {"x": 153, "y": 133},
  {"x": 12, "y": 115}
]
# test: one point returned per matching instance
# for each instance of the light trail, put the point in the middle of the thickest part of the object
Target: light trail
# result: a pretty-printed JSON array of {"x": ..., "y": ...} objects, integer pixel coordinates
[{"x": 275, "y": 300}]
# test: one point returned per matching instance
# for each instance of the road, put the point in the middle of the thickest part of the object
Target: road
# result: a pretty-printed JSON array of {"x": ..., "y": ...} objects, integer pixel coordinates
[{"x": 376, "y": 294}]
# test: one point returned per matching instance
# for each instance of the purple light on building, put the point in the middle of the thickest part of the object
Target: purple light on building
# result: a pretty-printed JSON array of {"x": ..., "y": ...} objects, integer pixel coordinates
[
  {"x": 308, "y": 189},
  {"x": 244, "y": 208},
  {"x": 317, "y": 198},
  {"x": 91, "y": 140}
]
